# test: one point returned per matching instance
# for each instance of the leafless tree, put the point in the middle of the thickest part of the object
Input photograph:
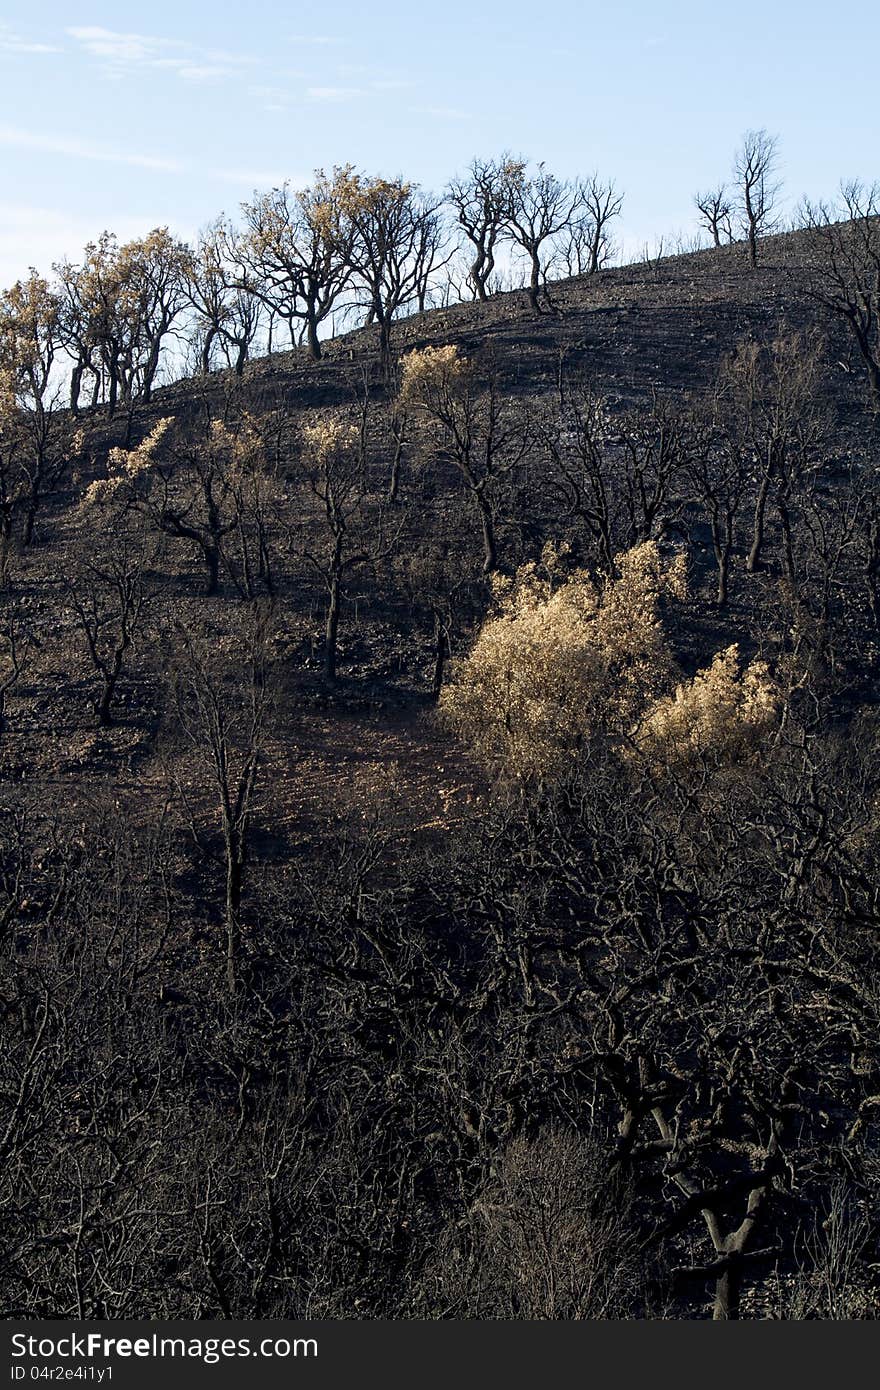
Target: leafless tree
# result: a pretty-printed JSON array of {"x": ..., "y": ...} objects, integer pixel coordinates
[
  {"x": 107, "y": 598},
  {"x": 294, "y": 254},
  {"x": 351, "y": 525},
  {"x": 551, "y": 1235},
  {"x": 774, "y": 408},
  {"x": 197, "y": 490},
  {"x": 754, "y": 170},
  {"x": 30, "y": 427},
  {"x": 575, "y": 437},
  {"x": 719, "y": 472},
  {"x": 847, "y": 279},
  {"x": 120, "y": 306},
  {"x": 225, "y": 722},
  {"x": 540, "y": 208},
  {"x": 395, "y": 243},
  {"x": 480, "y": 200},
  {"x": 716, "y": 210},
  {"x": 602, "y": 203},
  {"x": 225, "y": 313},
  {"x": 466, "y": 420},
  {"x": 17, "y": 644},
  {"x": 618, "y": 478}
]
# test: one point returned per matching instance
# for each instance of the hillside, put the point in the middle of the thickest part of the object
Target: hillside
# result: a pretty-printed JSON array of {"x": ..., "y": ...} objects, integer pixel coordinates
[
  {"x": 629, "y": 332},
  {"x": 664, "y": 323},
  {"x": 342, "y": 856}
]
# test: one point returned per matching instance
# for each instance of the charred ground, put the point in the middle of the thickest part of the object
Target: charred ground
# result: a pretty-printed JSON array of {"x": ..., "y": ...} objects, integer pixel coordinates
[{"x": 309, "y": 1012}]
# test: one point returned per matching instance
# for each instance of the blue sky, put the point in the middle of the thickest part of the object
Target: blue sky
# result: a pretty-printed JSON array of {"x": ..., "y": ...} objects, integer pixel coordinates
[{"x": 129, "y": 117}]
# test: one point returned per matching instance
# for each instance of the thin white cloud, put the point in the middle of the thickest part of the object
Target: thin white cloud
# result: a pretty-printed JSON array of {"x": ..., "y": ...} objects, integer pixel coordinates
[
  {"x": 364, "y": 72},
  {"x": 71, "y": 147},
  {"x": 39, "y": 236},
  {"x": 12, "y": 42},
  {"x": 271, "y": 98},
  {"x": 122, "y": 52},
  {"x": 225, "y": 55},
  {"x": 13, "y": 137},
  {"x": 334, "y": 94},
  {"x": 254, "y": 178},
  {"x": 190, "y": 71},
  {"x": 119, "y": 47},
  {"x": 318, "y": 40},
  {"x": 442, "y": 113}
]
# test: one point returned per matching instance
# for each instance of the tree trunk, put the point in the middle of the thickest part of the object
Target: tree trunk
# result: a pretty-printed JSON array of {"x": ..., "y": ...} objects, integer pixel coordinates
[
  {"x": 212, "y": 565},
  {"x": 331, "y": 629},
  {"x": 104, "y": 716},
  {"x": 234, "y": 876},
  {"x": 385, "y": 340},
  {"x": 727, "y": 1289},
  {"x": 872, "y": 571},
  {"x": 206, "y": 350},
  {"x": 30, "y": 516},
  {"x": 490, "y": 556},
  {"x": 595, "y": 247},
  {"x": 441, "y": 643},
  {"x": 394, "y": 481},
  {"x": 754, "y": 561},
  {"x": 535, "y": 283},
  {"x": 479, "y": 275},
  {"x": 312, "y": 339},
  {"x": 5, "y": 544},
  {"x": 869, "y": 357},
  {"x": 787, "y": 545},
  {"x": 722, "y": 545},
  {"x": 113, "y": 389},
  {"x": 75, "y": 388}
]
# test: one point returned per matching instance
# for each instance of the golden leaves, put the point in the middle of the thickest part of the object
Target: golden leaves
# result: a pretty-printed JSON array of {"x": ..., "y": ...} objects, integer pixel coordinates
[
  {"x": 427, "y": 370},
  {"x": 561, "y": 660},
  {"x": 328, "y": 438},
  {"x": 130, "y": 464},
  {"x": 724, "y": 712},
  {"x": 28, "y": 323},
  {"x": 566, "y": 657}
]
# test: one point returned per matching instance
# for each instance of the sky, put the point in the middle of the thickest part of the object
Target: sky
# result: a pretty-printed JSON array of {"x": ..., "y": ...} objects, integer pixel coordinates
[{"x": 128, "y": 117}]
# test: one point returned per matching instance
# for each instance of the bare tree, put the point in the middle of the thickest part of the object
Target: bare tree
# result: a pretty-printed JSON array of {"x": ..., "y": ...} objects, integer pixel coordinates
[
  {"x": 225, "y": 723},
  {"x": 847, "y": 280},
  {"x": 540, "y": 208},
  {"x": 225, "y": 313},
  {"x": 17, "y": 643},
  {"x": 580, "y": 474},
  {"x": 119, "y": 308},
  {"x": 551, "y": 1235},
  {"x": 716, "y": 211},
  {"x": 107, "y": 598},
  {"x": 295, "y": 254},
  {"x": 352, "y": 533},
  {"x": 601, "y": 204},
  {"x": 719, "y": 474},
  {"x": 754, "y": 169},
  {"x": 481, "y": 201},
  {"x": 774, "y": 414},
  {"x": 395, "y": 243},
  {"x": 467, "y": 421}
]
